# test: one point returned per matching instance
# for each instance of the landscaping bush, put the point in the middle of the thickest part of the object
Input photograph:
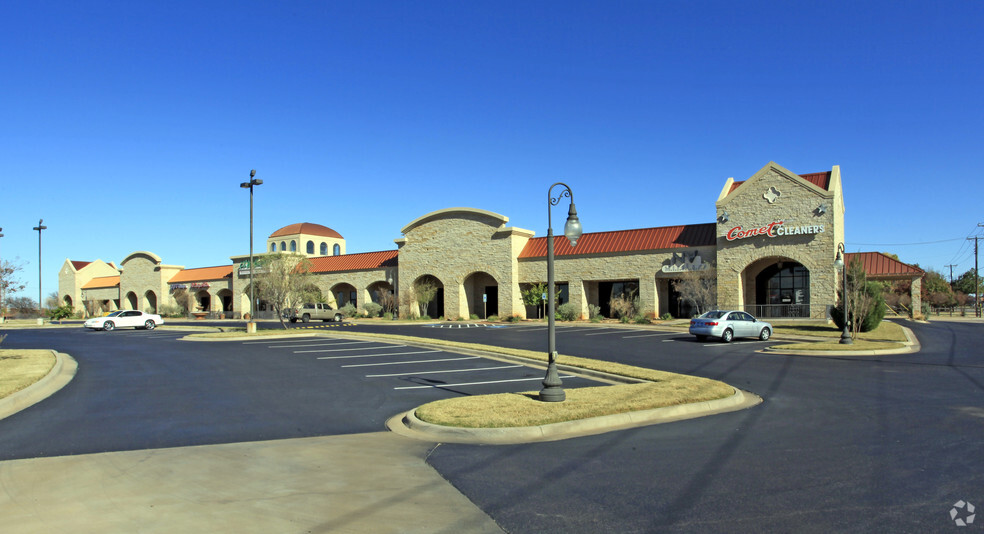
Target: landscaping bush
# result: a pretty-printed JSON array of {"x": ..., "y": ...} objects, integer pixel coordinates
[
  {"x": 512, "y": 318},
  {"x": 372, "y": 309},
  {"x": 666, "y": 316},
  {"x": 567, "y": 312},
  {"x": 349, "y": 310},
  {"x": 594, "y": 312},
  {"x": 492, "y": 318},
  {"x": 61, "y": 312}
]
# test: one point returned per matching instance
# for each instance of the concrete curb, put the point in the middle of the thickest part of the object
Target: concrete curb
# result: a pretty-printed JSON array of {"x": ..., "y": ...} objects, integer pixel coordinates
[
  {"x": 911, "y": 345},
  {"x": 407, "y": 424},
  {"x": 60, "y": 374}
]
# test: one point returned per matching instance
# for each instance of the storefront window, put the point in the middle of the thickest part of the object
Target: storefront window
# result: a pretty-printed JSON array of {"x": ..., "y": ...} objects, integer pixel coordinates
[{"x": 783, "y": 290}]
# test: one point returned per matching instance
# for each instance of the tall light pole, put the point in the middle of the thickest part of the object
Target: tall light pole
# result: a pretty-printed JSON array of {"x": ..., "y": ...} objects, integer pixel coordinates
[
  {"x": 3, "y": 276},
  {"x": 251, "y": 326},
  {"x": 839, "y": 263},
  {"x": 39, "y": 227},
  {"x": 553, "y": 390}
]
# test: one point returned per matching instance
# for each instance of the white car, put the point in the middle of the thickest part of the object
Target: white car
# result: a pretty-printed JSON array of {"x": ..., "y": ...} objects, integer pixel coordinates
[{"x": 125, "y": 319}]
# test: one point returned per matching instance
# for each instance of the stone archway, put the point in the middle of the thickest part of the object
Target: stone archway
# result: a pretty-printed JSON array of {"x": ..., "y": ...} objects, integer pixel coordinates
[
  {"x": 776, "y": 287},
  {"x": 479, "y": 295},
  {"x": 424, "y": 286},
  {"x": 342, "y": 294},
  {"x": 130, "y": 302},
  {"x": 151, "y": 298}
]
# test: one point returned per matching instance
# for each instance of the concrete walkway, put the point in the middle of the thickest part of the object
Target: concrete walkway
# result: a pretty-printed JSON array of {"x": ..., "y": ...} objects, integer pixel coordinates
[{"x": 375, "y": 482}]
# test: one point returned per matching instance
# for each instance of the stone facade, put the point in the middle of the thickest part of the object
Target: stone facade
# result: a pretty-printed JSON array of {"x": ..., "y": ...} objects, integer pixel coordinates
[
  {"x": 772, "y": 224},
  {"x": 73, "y": 275}
]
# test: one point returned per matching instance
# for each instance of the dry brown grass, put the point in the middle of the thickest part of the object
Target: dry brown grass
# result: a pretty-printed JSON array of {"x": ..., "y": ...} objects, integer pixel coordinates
[{"x": 20, "y": 368}]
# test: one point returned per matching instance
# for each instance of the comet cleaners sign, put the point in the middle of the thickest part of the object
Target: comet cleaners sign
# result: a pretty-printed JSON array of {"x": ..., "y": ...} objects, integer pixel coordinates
[{"x": 773, "y": 229}]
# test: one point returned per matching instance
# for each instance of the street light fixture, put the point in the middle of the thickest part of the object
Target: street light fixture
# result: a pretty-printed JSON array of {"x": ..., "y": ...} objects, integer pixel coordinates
[
  {"x": 38, "y": 228},
  {"x": 553, "y": 390},
  {"x": 251, "y": 326},
  {"x": 839, "y": 264}
]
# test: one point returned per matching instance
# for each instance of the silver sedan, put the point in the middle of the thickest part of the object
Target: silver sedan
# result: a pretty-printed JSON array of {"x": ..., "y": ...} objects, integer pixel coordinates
[{"x": 728, "y": 324}]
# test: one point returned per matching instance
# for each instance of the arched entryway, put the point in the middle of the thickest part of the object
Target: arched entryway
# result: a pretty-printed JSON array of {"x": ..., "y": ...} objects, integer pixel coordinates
[
  {"x": 151, "y": 298},
  {"x": 778, "y": 287},
  {"x": 382, "y": 293},
  {"x": 130, "y": 302},
  {"x": 428, "y": 285},
  {"x": 481, "y": 295},
  {"x": 203, "y": 301},
  {"x": 225, "y": 297},
  {"x": 344, "y": 294}
]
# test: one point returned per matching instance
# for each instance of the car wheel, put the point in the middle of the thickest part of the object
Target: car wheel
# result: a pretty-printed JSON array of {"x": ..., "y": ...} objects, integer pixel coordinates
[
  {"x": 108, "y": 326},
  {"x": 727, "y": 336},
  {"x": 338, "y": 317},
  {"x": 765, "y": 334},
  {"x": 150, "y": 325},
  {"x": 305, "y": 318},
  {"x": 701, "y": 337}
]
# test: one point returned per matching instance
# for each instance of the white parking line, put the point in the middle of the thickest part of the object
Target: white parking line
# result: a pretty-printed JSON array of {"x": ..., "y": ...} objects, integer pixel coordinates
[
  {"x": 377, "y": 364},
  {"x": 612, "y": 331},
  {"x": 376, "y": 355},
  {"x": 476, "y": 383},
  {"x": 264, "y": 342},
  {"x": 341, "y": 350},
  {"x": 655, "y": 335},
  {"x": 447, "y": 371},
  {"x": 325, "y": 344}
]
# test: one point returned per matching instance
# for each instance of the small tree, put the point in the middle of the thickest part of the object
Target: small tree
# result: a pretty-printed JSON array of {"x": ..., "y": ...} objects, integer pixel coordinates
[
  {"x": 9, "y": 284},
  {"x": 387, "y": 299},
  {"x": 424, "y": 291},
  {"x": 281, "y": 279},
  {"x": 533, "y": 295},
  {"x": 699, "y": 287},
  {"x": 865, "y": 302}
]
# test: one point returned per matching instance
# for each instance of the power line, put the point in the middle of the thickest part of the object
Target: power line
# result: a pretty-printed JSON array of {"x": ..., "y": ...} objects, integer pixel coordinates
[{"x": 904, "y": 244}]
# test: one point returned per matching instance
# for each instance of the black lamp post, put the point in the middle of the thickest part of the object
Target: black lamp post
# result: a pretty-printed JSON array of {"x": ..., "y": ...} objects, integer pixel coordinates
[
  {"x": 251, "y": 327},
  {"x": 39, "y": 227},
  {"x": 839, "y": 263},
  {"x": 553, "y": 390}
]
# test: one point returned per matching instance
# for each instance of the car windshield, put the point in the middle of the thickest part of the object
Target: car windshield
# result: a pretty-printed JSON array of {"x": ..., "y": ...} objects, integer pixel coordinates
[
  {"x": 715, "y": 314},
  {"x": 114, "y": 314}
]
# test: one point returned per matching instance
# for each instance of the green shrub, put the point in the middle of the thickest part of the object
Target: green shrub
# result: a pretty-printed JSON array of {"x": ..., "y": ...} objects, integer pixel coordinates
[
  {"x": 473, "y": 317},
  {"x": 61, "y": 312},
  {"x": 666, "y": 316},
  {"x": 388, "y": 316},
  {"x": 594, "y": 312},
  {"x": 642, "y": 319},
  {"x": 349, "y": 310},
  {"x": 372, "y": 309},
  {"x": 875, "y": 314},
  {"x": 512, "y": 318},
  {"x": 171, "y": 310},
  {"x": 492, "y": 318},
  {"x": 567, "y": 312}
]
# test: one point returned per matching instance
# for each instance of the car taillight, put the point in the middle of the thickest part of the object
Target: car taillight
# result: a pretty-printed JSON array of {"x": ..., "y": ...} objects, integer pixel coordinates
[{"x": 714, "y": 323}]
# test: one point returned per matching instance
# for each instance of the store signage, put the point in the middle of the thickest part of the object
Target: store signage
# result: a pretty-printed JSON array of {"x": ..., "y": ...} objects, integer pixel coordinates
[
  {"x": 774, "y": 229},
  {"x": 175, "y": 287},
  {"x": 199, "y": 285}
]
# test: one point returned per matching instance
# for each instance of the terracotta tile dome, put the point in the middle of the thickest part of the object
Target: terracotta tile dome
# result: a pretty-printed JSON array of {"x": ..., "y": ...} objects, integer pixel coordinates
[{"x": 307, "y": 228}]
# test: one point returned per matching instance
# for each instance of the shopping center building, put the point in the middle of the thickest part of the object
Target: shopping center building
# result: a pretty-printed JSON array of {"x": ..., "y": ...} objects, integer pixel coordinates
[{"x": 771, "y": 249}]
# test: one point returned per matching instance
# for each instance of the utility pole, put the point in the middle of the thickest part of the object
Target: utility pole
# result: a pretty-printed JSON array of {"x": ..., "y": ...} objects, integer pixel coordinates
[
  {"x": 977, "y": 279},
  {"x": 951, "y": 284}
]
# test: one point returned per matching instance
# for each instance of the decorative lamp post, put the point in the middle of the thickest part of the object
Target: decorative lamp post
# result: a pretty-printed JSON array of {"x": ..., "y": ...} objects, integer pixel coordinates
[
  {"x": 38, "y": 228},
  {"x": 553, "y": 390},
  {"x": 839, "y": 264},
  {"x": 251, "y": 325}
]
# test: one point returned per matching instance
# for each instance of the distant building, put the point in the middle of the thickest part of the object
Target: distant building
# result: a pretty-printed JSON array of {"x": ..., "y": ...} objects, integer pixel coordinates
[{"x": 771, "y": 250}]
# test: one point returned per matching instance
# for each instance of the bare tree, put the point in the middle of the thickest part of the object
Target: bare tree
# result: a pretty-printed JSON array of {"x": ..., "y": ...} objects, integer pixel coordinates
[
  {"x": 281, "y": 280},
  {"x": 9, "y": 283},
  {"x": 700, "y": 287},
  {"x": 425, "y": 290},
  {"x": 387, "y": 299}
]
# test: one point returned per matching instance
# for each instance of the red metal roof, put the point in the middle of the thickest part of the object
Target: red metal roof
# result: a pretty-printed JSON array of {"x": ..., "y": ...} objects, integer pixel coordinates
[
  {"x": 665, "y": 237},
  {"x": 354, "y": 262},
  {"x": 878, "y": 265},
  {"x": 102, "y": 282},
  {"x": 819, "y": 179},
  {"x": 307, "y": 228},
  {"x": 201, "y": 274},
  {"x": 78, "y": 265}
]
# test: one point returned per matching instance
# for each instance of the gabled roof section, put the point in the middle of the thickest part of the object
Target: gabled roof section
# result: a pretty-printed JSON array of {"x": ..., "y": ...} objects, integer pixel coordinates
[
  {"x": 78, "y": 265},
  {"x": 819, "y": 179},
  {"x": 661, "y": 238},
  {"x": 878, "y": 265},
  {"x": 362, "y": 261},
  {"x": 307, "y": 228},
  {"x": 202, "y": 274},
  {"x": 102, "y": 282}
]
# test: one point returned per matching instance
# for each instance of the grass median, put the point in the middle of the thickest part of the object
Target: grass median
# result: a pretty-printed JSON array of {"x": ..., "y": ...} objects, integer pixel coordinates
[{"x": 19, "y": 368}]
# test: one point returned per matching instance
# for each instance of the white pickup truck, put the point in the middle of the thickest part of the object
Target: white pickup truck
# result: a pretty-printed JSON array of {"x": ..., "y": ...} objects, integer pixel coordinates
[{"x": 317, "y": 311}]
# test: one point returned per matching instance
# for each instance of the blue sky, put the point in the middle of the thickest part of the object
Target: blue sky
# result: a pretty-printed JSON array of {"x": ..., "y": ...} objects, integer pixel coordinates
[{"x": 129, "y": 125}]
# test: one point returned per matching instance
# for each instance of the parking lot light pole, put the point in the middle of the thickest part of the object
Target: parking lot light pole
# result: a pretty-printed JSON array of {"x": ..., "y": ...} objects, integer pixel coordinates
[
  {"x": 38, "y": 228},
  {"x": 840, "y": 264},
  {"x": 251, "y": 325},
  {"x": 553, "y": 390}
]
